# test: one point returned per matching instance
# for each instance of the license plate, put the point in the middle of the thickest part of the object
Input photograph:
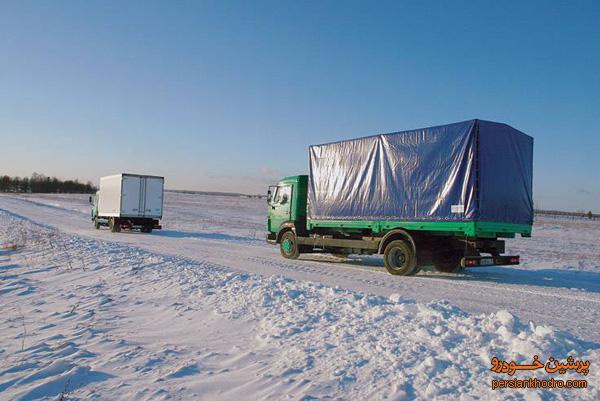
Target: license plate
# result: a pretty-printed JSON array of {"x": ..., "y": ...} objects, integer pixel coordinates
[{"x": 486, "y": 262}]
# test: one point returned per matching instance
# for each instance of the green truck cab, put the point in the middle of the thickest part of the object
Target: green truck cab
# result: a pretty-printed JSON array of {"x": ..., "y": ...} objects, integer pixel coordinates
[
  {"x": 287, "y": 205},
  {"x": 406, "y": 245}
]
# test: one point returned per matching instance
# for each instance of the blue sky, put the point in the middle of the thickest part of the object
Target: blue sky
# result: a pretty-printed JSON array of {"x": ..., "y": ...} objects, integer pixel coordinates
[{"x": 227, "y": 96}]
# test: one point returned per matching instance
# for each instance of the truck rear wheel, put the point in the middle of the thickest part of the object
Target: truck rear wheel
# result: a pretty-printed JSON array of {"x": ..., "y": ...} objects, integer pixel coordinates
[
  {"x": 114, "y": 224},
  {"x": 146, "y": 229},
  {"x": 399, "y": 258},
  {"x": 289, "y": 246}
]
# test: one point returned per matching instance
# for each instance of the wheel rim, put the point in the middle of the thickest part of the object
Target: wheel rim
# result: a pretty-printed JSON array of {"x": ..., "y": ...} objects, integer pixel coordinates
[
  {"x": 397, "y": 259},
  {"x": 287, "y": 245}
]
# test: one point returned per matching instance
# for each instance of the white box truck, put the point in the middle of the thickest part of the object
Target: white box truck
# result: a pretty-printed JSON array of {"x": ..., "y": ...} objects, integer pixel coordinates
[{"x": 131, "y": 201}]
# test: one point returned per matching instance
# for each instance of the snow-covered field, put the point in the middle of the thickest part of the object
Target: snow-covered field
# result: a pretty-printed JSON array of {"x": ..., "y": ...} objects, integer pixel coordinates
[{"x": 205, "y": 309}]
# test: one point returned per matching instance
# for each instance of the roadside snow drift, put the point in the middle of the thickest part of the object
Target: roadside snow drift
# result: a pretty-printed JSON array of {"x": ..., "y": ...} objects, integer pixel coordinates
[{"x": 88, "y": 319}]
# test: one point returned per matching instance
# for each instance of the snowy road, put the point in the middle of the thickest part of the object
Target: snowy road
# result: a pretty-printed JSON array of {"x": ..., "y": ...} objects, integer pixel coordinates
[{"x": 560, "y": 277}]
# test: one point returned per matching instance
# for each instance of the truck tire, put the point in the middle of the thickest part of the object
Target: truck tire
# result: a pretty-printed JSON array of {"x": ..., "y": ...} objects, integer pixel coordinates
[
  {"x": 146, "y": 229},
  {"x": 114, "y": 224},
  {"x": 289, "y": 246},
  {"x": 399, "y": 258},
  {"x": 96, "y": 224}
]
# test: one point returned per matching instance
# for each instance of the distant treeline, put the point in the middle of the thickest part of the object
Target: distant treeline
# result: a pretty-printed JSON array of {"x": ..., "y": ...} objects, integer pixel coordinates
[{"x": 39, "y": 183}]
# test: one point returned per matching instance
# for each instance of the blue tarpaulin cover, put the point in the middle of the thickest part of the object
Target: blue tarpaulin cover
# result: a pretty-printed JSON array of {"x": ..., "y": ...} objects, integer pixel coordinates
[{"x": 469, "y": 171}]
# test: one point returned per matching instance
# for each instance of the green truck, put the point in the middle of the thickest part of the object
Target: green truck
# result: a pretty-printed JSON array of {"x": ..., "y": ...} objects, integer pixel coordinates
[{"x": 439, "y": 196}]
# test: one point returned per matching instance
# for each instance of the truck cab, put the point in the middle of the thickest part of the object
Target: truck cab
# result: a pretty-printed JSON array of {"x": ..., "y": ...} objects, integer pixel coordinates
[{"x": 287, "y": 207}]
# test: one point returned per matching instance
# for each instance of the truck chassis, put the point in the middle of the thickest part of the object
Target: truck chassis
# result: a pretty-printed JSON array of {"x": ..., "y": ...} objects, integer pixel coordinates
[{"x": 404, "y": 252}]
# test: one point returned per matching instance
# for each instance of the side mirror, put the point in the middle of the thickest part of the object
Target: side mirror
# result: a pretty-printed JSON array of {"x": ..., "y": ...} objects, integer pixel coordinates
[
  {"x": 284, "y": 199},
  {"x": 269, "y": 196},
  {"x": 90, "y": 199}
]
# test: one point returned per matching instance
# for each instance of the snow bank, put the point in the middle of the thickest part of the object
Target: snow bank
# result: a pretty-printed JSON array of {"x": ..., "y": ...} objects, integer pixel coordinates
[{"x": 374, "y": 347}]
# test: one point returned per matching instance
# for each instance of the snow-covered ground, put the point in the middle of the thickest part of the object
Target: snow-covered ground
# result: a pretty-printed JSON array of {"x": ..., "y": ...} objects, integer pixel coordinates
[{"x": 205, "y": 309}]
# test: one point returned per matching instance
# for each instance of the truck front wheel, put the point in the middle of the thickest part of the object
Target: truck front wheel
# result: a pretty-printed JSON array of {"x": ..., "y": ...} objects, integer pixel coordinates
[
  {"x": 289, "y": 246},
  {"x": 114, "y": 224},
  {"x": 96, "y": 223},
  {"x": 399, "y": 258}
]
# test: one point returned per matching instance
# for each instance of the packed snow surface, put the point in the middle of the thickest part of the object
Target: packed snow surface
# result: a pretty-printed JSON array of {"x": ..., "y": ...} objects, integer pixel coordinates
[{"x": 205, "y": 309}]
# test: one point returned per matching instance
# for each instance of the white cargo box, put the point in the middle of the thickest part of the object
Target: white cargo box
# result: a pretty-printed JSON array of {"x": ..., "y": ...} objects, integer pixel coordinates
[{"x": 131, "y": 195}]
